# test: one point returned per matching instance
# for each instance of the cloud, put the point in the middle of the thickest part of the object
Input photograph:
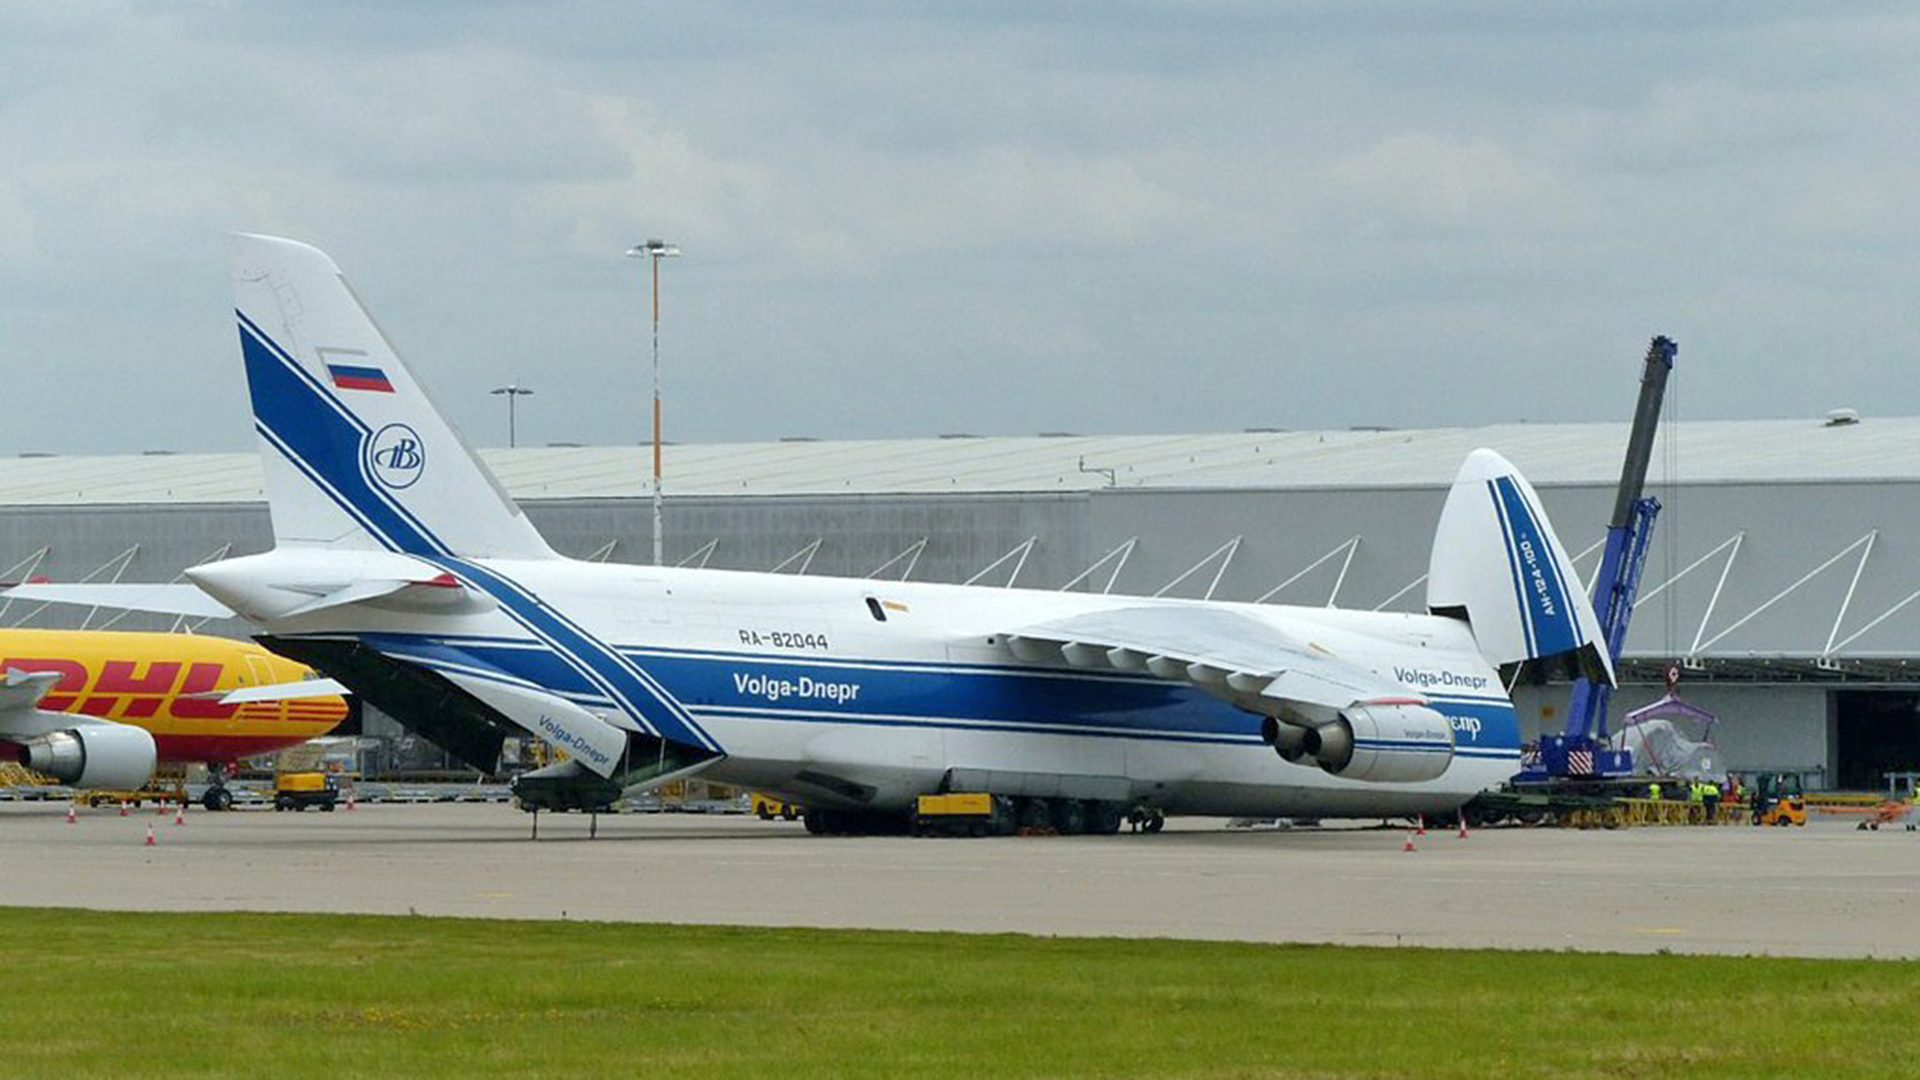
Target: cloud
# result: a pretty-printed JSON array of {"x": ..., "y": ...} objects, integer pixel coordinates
[
  {"x": 1425, "y": 182},
  {"x": 987, "y": 217}
]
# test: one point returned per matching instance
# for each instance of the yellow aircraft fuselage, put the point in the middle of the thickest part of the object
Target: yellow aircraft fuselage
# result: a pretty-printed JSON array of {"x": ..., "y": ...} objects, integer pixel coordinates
[{"x": 171, "y": 685}]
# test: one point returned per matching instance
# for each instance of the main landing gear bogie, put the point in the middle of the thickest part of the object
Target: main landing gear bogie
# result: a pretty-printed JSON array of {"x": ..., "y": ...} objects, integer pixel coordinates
[
  {"x": 1071, "y": 817},
  {"x": 1031, "y": 816}
]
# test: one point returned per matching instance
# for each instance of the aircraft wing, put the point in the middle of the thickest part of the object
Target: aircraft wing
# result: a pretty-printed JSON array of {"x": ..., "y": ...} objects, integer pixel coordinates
[
  {"x": 176, "y": 599},
  {"x": 20, "y": 713},
  {"x": 1248, "y": 661}
]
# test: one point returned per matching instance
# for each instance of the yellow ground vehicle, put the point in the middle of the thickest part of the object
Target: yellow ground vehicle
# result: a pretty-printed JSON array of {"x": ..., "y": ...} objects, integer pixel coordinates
[
  {"x": 1778, "y": 800},
  {"x": 964, "y": 814},
  {"x": 766, "y": 808},
  {"x": 299, "y": 790}
]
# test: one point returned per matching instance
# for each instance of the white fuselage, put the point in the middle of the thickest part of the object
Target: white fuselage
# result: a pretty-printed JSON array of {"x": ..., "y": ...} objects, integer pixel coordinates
[{"x": 796, "y": 678}]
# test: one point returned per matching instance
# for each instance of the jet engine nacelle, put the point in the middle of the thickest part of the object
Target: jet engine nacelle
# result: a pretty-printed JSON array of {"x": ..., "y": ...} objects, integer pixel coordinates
[
  {"x": 114, "y": 756},
  {"x": 1379, "y": 743}
]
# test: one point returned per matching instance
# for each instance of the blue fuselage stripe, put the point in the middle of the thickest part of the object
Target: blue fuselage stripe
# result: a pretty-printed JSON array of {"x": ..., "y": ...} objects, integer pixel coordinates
[
  {"x": 325, "y": 441},
  {"x": 906, "y": 693}
]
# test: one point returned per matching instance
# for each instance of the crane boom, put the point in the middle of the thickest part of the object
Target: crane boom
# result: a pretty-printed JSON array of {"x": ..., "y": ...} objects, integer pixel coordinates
[{"x": 1581, "y": 750}]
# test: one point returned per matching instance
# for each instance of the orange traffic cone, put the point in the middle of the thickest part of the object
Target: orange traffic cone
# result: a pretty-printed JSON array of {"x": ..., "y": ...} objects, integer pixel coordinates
[
  {"x": 150, "y": 840},
  {"x": 123, "y": 809},
  {"x": 70, "y": 816},
  {"x": 1408, "y": 846},
  {"x": 1463, "y": 827},
  {"x": 349, "y": 800},
  {"x": 1420, "y": 825},
  {"x": 180, "y": 814}
]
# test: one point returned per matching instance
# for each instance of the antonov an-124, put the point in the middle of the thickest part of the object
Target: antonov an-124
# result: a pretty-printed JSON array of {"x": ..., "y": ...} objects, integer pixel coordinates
[{"x": 403, "y": 570}]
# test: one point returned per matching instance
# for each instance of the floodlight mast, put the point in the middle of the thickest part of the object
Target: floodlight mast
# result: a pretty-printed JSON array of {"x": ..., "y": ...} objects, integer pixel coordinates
[
  {"x": 653, "y": 250},
  {"x": 511, "y": 391}
]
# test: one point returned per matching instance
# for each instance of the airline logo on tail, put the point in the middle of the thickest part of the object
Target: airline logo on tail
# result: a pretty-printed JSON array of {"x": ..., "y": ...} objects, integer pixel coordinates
[{"x": 395, "y": 456}]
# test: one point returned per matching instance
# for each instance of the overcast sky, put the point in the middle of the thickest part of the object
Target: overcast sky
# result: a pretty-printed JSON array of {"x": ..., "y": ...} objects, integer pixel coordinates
[{"x": 1000, "y": 218}]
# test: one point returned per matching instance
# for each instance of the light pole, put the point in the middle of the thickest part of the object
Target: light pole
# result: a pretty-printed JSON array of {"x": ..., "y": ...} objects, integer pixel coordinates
[
  {"x": 512, "y": 391},
  {"x": 653, "y": 251}
]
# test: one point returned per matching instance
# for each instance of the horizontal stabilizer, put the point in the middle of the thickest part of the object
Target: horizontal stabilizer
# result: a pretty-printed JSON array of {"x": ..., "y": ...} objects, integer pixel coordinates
[
  {"x": 176, "y": 599},
  {"x": 435, "y": 593}
]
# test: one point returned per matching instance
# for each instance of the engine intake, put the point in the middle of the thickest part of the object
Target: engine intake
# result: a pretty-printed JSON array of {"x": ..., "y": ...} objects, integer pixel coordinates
[
  {"x": 94, "y": 756},
  {"x": 1378, "y": 743}
]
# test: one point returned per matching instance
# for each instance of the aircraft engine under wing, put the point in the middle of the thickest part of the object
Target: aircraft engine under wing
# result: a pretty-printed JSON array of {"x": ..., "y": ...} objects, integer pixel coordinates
[
  {"x": 78, "y": 750},
  {"x": 1318, "y": 709}
]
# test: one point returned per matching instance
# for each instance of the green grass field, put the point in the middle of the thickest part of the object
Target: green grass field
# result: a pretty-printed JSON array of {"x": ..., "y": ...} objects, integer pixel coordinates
[{"x": 131, "y": 996}]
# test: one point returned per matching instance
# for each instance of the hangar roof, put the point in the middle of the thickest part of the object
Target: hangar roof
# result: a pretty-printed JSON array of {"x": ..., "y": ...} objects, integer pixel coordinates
[{"x": 1703, "y": 452}]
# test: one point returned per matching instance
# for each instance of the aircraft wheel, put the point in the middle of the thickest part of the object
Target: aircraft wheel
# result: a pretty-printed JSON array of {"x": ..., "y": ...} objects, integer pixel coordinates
[
  {"x": 1155, "y": 823},
  {"x": 1104, "y": 818},
  {"x": 217, "y": 798},
  {"x": 1069, "y": 816}
]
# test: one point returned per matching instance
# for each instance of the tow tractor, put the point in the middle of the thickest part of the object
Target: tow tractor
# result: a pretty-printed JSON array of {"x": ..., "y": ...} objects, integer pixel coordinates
[{"x": 299, "y": 790}]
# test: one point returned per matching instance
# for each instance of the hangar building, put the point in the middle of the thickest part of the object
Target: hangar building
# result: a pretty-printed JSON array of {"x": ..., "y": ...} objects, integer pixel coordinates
[{"x": 1784, "y": 576}]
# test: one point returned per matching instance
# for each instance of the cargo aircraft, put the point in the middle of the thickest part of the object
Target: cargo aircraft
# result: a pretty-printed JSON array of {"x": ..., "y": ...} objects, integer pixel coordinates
[
  {"x": 402, "y": 569},
  {"x": 99, "y": 709}
]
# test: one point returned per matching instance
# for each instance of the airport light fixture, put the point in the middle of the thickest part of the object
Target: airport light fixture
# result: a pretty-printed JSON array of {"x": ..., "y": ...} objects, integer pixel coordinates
[
  {"x": 512, "y": 392},
  {"x": 653, "y": 251}
]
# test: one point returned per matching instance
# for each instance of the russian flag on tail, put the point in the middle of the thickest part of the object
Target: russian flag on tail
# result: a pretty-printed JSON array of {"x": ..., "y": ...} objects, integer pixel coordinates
[{"x": 359, "y": 377}]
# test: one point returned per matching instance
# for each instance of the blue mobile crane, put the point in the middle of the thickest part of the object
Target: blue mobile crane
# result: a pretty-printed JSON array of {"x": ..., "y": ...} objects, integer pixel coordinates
[{"x": 1581, "y": 751}]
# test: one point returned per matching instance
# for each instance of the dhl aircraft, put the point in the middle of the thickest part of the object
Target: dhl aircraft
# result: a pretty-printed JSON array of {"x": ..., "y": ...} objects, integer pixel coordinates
[
  {"x": 402, "y": 569},
  {"x": 101, "y": 708}
]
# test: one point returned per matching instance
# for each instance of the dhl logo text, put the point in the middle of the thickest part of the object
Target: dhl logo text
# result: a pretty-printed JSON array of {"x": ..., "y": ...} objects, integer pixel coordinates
[{"x": 122, "y": 680}]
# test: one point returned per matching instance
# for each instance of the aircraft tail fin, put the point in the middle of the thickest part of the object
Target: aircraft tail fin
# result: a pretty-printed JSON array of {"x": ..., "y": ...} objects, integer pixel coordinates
[
  {"x": 1497, "y": 564},
  {"x": 355, "y": 455}
]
